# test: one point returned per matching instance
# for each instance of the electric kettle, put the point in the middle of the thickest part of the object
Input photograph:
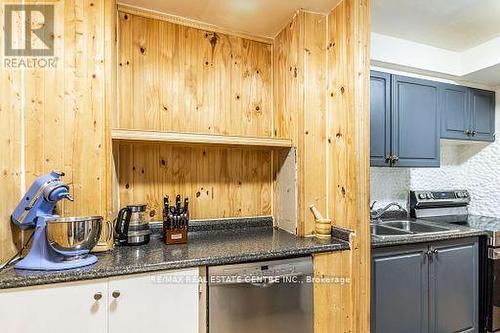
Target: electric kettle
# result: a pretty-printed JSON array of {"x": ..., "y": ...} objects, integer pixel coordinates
[{"x": 131, "y": 226}]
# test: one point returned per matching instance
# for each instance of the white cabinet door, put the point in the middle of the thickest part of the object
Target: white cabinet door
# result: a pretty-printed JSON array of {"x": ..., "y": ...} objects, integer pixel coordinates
[
  {"x": 68, "y": 307},
  {"x": 156, "y": 302}
]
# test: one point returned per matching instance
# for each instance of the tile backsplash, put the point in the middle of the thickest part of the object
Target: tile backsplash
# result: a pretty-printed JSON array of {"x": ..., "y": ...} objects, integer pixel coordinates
[{"x": 464, "y": 165}]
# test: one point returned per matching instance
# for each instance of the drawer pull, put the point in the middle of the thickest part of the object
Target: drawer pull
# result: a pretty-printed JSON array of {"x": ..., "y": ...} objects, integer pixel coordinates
[
  {"x": 115, "y": 294},
  {"x": 97, "y": 296}
]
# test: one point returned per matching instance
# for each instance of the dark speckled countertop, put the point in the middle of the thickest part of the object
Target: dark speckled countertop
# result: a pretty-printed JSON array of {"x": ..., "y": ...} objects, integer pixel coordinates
[{"x": 205, "y": 247}]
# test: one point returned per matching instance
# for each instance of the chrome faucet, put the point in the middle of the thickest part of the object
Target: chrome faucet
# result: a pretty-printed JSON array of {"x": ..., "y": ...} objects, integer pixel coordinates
[{"x": 376, "y": 214}]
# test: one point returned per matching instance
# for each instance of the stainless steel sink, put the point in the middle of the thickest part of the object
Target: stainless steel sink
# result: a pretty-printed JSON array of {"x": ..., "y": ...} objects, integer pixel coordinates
[
  {"x": 395, "y": 228},
  {"x": 381, "y": 231},
  {"x": 414, "y": 227}
]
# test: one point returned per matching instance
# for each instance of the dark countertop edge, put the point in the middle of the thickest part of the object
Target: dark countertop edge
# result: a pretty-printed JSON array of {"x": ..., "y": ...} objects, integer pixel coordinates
[
  {"x": 24, "y": 281},
  {"x": 378, "y": 243}
]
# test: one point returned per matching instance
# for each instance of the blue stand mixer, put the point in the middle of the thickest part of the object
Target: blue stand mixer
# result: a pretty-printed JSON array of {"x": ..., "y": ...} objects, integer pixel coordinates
[{"x": 57, "y": 243}]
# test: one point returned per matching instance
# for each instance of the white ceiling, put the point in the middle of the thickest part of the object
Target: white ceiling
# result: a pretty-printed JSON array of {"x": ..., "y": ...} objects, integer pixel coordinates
[
  {"x": 455, "y": 25},
  {"x": 257, "y": 17}
]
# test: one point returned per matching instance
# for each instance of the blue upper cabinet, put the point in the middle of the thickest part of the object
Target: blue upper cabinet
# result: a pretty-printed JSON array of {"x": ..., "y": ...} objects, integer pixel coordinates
[
  {"x": 467, "y": 113},
  {"x": 482, "y": 109},
  {"x": 455, "y": 115},
  {"x": 415, "y": 122},
  {"x": 404, "y": 121},
  {"x": 409, "y": 116},
  {"x": 380, "y": 119}
]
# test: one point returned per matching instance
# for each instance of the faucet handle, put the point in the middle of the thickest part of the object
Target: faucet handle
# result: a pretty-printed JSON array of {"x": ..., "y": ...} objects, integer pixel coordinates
[{"x": 373, "y": 204}]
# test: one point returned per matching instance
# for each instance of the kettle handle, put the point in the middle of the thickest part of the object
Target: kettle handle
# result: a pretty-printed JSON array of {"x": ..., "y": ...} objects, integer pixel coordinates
[{"x": 119, "y": 222}]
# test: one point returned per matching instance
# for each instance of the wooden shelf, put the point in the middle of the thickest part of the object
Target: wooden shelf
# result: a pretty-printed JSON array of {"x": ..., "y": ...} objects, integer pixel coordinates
[{"x": 192, "y": 138}]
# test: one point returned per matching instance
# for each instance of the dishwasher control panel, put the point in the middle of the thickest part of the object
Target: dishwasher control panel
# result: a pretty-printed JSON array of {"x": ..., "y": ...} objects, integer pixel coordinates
[{"x": 277, "y": 269}]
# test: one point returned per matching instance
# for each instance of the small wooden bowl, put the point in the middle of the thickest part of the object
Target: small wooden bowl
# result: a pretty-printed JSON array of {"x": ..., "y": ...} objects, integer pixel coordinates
[
  {"x": 323, "y": 229},
  {"x": 323, "y": 237}
]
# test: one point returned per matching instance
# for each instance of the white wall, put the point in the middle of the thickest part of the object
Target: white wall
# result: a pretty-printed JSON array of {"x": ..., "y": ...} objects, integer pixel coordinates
[
  {"x": 471, "y": 166},
  {"x": 405, "y": 55}
]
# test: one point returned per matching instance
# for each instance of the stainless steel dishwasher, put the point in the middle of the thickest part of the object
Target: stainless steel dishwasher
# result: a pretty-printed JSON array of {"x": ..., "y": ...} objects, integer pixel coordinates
[{"x": 272, "y": 296}]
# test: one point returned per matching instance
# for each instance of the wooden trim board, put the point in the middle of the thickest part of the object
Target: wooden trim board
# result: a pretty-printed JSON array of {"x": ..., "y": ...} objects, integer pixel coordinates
[
  {"x": 194, "y": 138},
  {"x": 189, "y": 22}
]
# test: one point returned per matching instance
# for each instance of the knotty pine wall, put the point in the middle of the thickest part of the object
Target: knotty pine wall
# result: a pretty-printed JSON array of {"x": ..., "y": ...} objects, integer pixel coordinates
[
  {"x": 220, "y": 182},
  {"x": 57, "y": 118},
  {"x": 182, "y": 79},
  {"x": 177, "y": 78},
  {"x": 300, "y": 108},
  {"x": 346, "y": 307}
]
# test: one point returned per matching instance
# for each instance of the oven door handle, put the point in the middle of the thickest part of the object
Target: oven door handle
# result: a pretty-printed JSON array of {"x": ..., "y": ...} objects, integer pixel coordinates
[{"x": 494, "y": 254}]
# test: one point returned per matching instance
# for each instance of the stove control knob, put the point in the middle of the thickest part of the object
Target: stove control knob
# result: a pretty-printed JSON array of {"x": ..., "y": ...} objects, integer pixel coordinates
[
  {"x": 460, "y": 194},
  {"x": 421, "y": 195},
  {"x": 429, "y": 196},
  {"x": 465, "y": 194}
]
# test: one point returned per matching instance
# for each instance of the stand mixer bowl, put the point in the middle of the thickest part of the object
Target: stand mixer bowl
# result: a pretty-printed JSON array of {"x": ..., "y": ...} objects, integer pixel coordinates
[{"x": 73, "y": 237}]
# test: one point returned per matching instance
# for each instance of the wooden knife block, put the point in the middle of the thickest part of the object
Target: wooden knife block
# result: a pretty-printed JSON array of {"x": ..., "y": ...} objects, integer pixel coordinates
[{"x": 175, "y": 236}]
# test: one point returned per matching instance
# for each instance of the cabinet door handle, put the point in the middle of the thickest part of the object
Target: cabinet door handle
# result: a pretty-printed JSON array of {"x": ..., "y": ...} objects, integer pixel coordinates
[
  {"x": 115, "y": 294},
  {"x": 435, "y": 252},
  {"x": 428, "y": 255},
  {"x": 467, "y": 132},
  {"x": 473, "y": 133},
  {"x": 97, "y": 296}
]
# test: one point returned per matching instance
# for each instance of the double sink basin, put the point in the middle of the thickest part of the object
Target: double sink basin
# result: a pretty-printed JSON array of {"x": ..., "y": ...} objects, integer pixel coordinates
[{"x": 404, "y": 227}]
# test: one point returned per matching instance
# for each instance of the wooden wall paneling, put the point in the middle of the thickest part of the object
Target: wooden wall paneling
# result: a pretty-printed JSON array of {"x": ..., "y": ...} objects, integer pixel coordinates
[
  {"x": 84, "y": 106},
  {"x": 348, "y": 84},
  {"x": 11, "y": 175},
  {"x": 58, "y": 119},
  {"x": 111, "y": 102},
  {"x": 333, "y": 304},
  {"x": 123, "y": 116},
  {"x": 179, "y": 78},
  {"x": 300, "y": 108},
  {"x": 315, "y": 145},
  {"x": 183, "y": 21},
  {"x": 285, "y": 189},
  {"x": 145, "y": 84},
  {"x": 287, "y": 111},
  {"x": 220, "y": 182},
  {"x": 122, "y": 153},
  {"x": 286, "y": 81}
]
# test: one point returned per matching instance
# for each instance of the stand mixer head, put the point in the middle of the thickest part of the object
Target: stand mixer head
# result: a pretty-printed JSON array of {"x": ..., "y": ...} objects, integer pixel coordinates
[{"x": 35, "y": 210}]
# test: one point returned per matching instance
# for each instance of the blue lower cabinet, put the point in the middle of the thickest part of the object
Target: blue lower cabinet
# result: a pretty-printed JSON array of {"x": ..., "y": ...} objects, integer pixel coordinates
[
  {"x": 400, "y": 290},
  {"x": 453, "y": 284},
  {"x": 429, "y": 287}
]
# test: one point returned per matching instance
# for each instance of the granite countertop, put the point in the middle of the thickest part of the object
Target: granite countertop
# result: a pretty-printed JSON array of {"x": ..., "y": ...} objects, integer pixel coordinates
[
  {"x": 207, "y": 246},
  {"x": 459, "y": 231}
]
